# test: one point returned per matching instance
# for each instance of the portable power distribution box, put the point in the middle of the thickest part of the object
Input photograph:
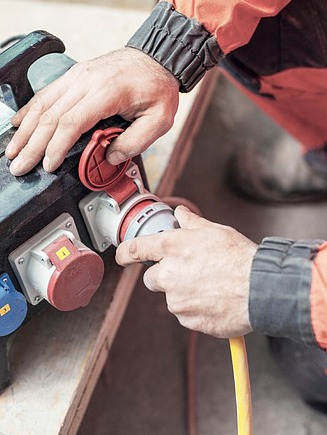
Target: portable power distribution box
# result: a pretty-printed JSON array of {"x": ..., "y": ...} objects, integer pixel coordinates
[{"x": 41, "y": 224}]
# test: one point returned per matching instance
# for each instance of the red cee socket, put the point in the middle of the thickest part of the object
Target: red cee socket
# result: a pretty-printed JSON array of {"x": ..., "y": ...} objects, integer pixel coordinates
[
  {"x": 97, "y": 174},
  {"x": 77, "y": 276}
]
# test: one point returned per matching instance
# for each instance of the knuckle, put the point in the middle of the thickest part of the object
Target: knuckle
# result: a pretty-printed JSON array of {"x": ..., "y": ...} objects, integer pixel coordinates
[
  {"x": 185, "y": 322},
  {"x": 164, "y": 122},
  {"x": 164, "y": 277},
  {"x": 32, "y": 153},
  {"x": 134, "y": 250},
  {"x": 38, "y": 105},
  {"x": 170, "y": 307},
  {"x": 67, "y": 121},
  {"x": 48, "y": 119},
  {"x": 167, "y": 242}
]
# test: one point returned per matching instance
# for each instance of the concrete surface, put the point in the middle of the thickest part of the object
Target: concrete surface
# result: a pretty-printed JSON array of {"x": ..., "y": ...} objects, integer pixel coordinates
[
  {"x": 140, "y": 4},
  {"x": 142, "y": 390}
]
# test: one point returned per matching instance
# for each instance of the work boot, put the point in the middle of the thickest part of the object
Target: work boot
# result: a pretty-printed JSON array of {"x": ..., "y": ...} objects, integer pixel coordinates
[{"x": 279, "y": 172}]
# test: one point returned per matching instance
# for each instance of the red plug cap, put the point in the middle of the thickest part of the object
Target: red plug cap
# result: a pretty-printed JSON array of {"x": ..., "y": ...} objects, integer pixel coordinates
[
  {"x": 97, "y": 174},
  {"x": 78, "y": 274}
]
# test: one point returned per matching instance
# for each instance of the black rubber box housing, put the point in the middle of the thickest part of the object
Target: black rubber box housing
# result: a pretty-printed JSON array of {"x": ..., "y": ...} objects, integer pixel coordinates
[{"x": 30, "y": 202}]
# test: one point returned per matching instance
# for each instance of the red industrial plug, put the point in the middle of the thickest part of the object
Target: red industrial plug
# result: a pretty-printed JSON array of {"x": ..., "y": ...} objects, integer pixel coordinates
[
  {"x": 77, "y": 276},
  {"x": 122, "y": 208}
]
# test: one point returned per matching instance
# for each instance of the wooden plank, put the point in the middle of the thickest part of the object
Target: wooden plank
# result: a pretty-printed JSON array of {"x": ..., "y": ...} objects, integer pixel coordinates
[
  {"x": 102, "y": 345},
  {"x": 57, "y": 357}
]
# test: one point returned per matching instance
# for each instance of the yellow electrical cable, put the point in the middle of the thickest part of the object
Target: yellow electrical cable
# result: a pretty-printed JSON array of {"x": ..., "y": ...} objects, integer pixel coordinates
[{"x": 242, "y": 385}]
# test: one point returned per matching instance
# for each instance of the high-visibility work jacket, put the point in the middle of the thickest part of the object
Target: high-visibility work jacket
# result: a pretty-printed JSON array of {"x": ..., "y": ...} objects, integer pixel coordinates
[{"x": 277, "y": 51}]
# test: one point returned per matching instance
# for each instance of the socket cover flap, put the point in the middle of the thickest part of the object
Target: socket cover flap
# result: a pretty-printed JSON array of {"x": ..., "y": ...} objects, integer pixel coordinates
[{"x": 96, "y": 173}]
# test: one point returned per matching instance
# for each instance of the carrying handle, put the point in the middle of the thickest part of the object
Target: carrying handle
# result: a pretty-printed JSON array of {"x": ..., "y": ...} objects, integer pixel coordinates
[{"x": 16, "y": 60}]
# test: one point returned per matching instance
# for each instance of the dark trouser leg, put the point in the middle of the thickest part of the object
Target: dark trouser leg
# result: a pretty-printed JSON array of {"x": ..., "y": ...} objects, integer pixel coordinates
[{"x": 304, "y": 367}]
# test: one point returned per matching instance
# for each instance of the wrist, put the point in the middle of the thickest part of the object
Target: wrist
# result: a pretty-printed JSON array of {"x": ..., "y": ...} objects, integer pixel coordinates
[{"x": 153, "y": 65}]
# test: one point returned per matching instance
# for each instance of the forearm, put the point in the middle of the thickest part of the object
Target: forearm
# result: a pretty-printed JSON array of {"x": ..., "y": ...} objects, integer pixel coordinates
[{"x": 288, "y": 290}]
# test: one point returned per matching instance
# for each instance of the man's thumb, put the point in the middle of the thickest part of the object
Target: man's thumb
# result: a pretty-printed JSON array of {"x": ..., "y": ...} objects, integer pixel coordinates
[
  {"x": 187, "y": 219},
  {"x": 133, "y": 141}
]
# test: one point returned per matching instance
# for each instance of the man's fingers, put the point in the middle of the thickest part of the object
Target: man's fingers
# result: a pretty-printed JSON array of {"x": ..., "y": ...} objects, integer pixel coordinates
[
  {"x": 53, "y": 133},
  {"x": 150, "y": 278},
  {"x": 157, "y": 246},
  {"x": 38, "y": 103},
  {"x": 70, "y": 127},
  {"x": 136, "y": 138},
  {"x": 189, "y": 220},
  {"x": 27, "y": 118},
  {"x": 21, "y": 113},
  {"x": 32, "y": 153},
  {"x": 27, "y": 127},
  {"x": 141, "y": 249}
]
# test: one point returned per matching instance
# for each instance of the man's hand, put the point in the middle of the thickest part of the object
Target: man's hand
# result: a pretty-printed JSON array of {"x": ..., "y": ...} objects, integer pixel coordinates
[
  {"x": 126, "y": 82},
  {"x": 204, "y": 269}
]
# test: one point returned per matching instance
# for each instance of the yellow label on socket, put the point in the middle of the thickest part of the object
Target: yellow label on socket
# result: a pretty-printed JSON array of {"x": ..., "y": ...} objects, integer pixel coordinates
[
  {"x": 4, "y": 310},
  {"x": 62, "y": 253}
]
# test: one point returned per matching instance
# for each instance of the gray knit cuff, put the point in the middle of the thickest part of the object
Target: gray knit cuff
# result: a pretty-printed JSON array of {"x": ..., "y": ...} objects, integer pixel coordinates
[
  {"x": 178, "y": 43},
  {"x": 280, "y": 286}
]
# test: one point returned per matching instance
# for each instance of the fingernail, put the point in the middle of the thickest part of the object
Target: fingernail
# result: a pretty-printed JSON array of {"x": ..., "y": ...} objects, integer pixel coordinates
[
  {"x": 16, "y": 166},
  {"x": 47, "y": 164},
  {"x": 117, "y": 157},
  {"x": 14, "y": 119},
  {"x": 10, "y": 147}
]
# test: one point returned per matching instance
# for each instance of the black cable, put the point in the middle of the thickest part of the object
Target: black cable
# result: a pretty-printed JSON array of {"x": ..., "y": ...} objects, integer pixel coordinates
[{"x": 11, "y": 40}]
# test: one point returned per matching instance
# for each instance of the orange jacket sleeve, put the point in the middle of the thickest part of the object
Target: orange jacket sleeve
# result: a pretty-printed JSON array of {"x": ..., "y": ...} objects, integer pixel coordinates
[
  {"x": 232, "y": 22},
  {"x": 189, "y": 37},
  {"x": 318, "y": 297}
]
